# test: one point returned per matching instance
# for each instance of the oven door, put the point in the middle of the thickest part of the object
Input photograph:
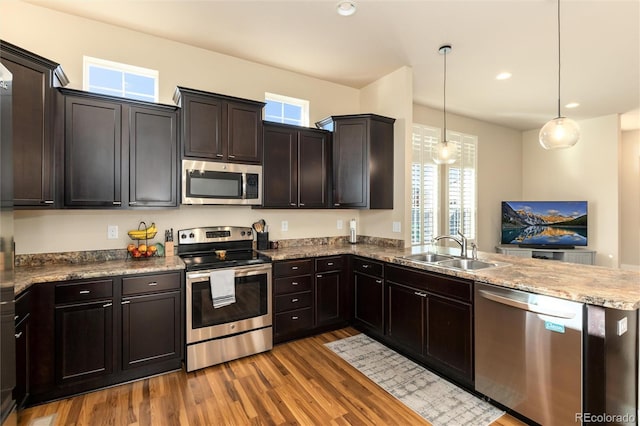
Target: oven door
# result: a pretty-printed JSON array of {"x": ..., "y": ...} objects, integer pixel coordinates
[{"x": 252, "y": 309}]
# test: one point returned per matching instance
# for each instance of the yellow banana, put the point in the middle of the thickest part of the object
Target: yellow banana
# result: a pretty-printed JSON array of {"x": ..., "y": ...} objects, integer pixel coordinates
[{"x": 140, "y": 234}]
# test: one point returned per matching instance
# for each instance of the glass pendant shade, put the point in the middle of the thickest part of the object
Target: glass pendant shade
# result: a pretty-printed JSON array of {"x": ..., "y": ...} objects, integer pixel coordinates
[
  {"x": 561, "y": 132},
  {"x": 445, "y": 153}
]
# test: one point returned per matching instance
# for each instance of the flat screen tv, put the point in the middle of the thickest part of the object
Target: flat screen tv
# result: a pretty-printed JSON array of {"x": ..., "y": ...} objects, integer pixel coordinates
[{"x": 544, "y": 224}]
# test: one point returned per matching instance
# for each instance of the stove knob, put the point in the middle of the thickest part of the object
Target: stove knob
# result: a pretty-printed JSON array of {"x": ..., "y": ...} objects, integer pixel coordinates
[
  {"x": 183, "y": 236},
  {"x": 191, "y": 235},
  {"x": 248, "y": 233},
  {"x": 242, "y": 233}
]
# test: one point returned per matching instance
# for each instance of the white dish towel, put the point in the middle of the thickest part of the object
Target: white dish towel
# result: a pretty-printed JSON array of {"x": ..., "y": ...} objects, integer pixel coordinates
[{"x": 223, "y": 287}]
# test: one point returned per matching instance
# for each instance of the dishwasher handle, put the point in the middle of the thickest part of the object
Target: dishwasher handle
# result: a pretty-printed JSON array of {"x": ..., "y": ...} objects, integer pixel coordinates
[{"x": 531, "y": 307}]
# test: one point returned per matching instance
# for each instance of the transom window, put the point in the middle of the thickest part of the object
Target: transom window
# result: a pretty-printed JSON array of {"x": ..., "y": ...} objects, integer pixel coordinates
[
  {"x": 285, "y": 109},
  {"x": 117, "y": 79},
  {"x": 443, "y": 197}
]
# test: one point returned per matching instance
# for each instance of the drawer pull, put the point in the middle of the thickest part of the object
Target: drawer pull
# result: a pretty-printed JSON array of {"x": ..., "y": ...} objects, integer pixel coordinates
[
  {"x": 378, "y": 281},
  {"x": 329, "y": 263},
  {"x": 292, "y": 204},
  {"x": 231, "y": 156},
  {"x": 117, "y": 203},
  {"x": 419, "y": 293},
  {"x": 19, "y": 335},
  {"x": 106, "y": 305},
  {"x": 295, "y": 318},
  {"x": 294, "y": 268},
  {"x": 153, "y": 283},
  {"x": 365, "y": 266},
  {"x": 294, "y": 283},
  {"x": 295, "y": 300},
  {"x": 85, "y": 291},
  {"x": 16, "y": 317},
  {"x": 319, "y": 275},
  {"x": 219, "y": 155},
  {"x": 125, "y": 302},
  {"x": 46, "y": 202}
]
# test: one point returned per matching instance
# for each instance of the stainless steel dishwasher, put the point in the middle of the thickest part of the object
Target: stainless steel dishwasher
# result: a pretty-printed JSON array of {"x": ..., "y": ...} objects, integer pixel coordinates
[{"x": 528, "y": 353}]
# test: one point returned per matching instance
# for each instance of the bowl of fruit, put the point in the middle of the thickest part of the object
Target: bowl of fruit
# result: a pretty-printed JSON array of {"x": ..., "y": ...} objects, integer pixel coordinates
[{"x": 142, "y": 251}]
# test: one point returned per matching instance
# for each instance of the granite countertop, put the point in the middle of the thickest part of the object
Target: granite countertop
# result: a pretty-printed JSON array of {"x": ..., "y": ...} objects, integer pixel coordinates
[
  {"x": 596, "y": 285},
  {"x": 27, "y": 275}
]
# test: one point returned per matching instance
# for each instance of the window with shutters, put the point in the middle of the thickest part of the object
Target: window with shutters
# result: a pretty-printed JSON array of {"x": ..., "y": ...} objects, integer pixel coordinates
[{"x": 443, "y": 197}]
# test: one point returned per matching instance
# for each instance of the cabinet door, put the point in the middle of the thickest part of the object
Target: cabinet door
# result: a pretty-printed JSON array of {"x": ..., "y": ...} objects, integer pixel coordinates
[
  {"x": 244, "y": 133},
  {"x": 313, "y": 169},
  {"x": 93, "y": 153},
  {"x": 202, "y": 127},
  {"x": 350, "y": 163},
  {"x": 406, "y": 317},
  {"x": 449, "y": 335},
  {"x": 84, "y": 341},
  {"x": 279, "y": 172},
  {"x": 23, "y": 361},
  {"x": 328, "y": 298},
  {"x": 151, "y": 329},
  {"x": 153, "y": 156},
  {"x": 33, "y": 145},
  {"x": 369, "y": 296}
]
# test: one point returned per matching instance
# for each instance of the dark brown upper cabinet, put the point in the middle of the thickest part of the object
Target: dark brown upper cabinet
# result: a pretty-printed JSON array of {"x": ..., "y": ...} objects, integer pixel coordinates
[
  {"x": 362, "y": 160},
  {"x": 219, "y": 127},
  {"x": 119, "y": 153},
  {"x": 35, "y": 141},
  {"x": 296, "y": 166}
]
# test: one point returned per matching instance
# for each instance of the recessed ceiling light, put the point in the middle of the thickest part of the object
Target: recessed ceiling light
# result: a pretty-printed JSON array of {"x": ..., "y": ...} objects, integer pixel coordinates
[
  {"x": 503, "y": 76},
  {"x": 572, "y": 105},
  {"x": 346, "y": 7}
]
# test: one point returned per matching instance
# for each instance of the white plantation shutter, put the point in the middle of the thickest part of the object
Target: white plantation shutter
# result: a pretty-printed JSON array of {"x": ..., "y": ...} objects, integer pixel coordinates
[{"x": 456, "y": 183}]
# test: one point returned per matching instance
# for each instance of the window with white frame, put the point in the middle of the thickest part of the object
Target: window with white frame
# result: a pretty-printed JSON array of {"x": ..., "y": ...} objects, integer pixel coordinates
[
  {"x": 117, "y": 79},
  {"x": 285, "y": 109},
  {"x": 443, "y": 197}
]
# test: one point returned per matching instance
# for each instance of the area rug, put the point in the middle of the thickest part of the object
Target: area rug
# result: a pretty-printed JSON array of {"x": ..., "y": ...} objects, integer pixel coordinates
[
  {"x": 438, "y": 401},
  {"x": 44, "y": 421}
]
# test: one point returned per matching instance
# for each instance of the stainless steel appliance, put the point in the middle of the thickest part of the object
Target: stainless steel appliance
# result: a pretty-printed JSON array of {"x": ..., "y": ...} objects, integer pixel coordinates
[
  {"x": 528, "y": 353},
  {"x": 241, "y": 328},
  {"x": 7, "y": 300},
  {"x": 210, "y": 182}
]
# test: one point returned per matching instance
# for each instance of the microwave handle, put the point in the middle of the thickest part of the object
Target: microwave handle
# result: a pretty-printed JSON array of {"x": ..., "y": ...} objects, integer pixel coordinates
[{"x": 244, "y": 183}]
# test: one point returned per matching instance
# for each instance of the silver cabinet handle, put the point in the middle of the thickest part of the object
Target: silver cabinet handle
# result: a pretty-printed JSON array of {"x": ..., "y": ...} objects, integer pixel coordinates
[
  {"x": 46, "y": 202},
  {"x": 125, "y": 302},
  {"x": 85, "y": 291},
  {"x": 153, "y": 283},
  {"x": 16, "y": 317},
  {"x": 117, "y": 203},
  {"x": 294, "y": 283},
  {"x": 336, "y": 204},
  {"x": 231, "y": 156},
  {"x": 294, "y": 300},
  {"x": 365, "y": 266},
  {"x": 219, "y": 155},
  {"x": 378, "y": 281},
  {"x": 133, "y": 203},
  {"x": 301, "y": 204},
  {"x": 330, "y": 264},
  {"x": 106, "y": 305},
  {"x": 419, "y": 293},
  {"x": 19, "y": 335},
  {"x": 294, "y": 268},
  {"x": 292, "y": 204},
  {"x": 295, "y": 318},
  {"x": 319, "y": 275}
]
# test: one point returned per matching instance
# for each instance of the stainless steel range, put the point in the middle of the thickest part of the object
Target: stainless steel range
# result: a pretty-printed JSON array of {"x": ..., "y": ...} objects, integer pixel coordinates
[{"x": 228, "y": 295}]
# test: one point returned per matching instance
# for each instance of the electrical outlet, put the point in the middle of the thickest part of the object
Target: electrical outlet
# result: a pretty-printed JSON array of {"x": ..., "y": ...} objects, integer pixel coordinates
[
  {"x": 396, "y": 227},
  {"x": 284, "y": 226},
  {"x": 339, "y": 224},
  {"x": 622, "y": 326},
  {"x": 112, "y": 232}
]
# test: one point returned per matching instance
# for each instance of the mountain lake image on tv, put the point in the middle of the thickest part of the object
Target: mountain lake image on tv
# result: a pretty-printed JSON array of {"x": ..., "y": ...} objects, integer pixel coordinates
[{"x": 544, "y": 224}]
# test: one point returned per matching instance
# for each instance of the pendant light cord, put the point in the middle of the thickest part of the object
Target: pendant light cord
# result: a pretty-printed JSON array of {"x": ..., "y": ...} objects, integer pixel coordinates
[
  {"x": 444, "y": 108},
  {"x": 558, "y": 59}
]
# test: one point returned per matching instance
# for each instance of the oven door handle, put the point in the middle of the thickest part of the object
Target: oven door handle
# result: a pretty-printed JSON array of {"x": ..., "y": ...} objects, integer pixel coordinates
[{"x": 239, "y": 272}]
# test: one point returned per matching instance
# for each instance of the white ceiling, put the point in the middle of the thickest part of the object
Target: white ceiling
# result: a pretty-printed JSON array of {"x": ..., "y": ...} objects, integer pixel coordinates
[{"x": 600, "y": 47}]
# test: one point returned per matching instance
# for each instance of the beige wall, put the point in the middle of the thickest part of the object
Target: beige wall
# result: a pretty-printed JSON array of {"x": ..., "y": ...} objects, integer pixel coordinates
[
  {"x": 630, "y": 200},
  {"x": 499, "y": 167},
  {"x": 587, "y": 171}
]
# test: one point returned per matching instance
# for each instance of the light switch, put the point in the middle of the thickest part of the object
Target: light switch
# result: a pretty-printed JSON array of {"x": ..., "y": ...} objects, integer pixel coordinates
[
  {"x": 112, "y": 232},
  {"x": 284, "y": 226},
  {"x": 396, "y": 227},
  {"x": 339, "y": 224}
]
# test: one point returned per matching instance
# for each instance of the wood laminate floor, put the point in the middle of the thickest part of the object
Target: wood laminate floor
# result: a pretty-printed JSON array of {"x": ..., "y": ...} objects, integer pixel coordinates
[{"x": 300, "y": 382}]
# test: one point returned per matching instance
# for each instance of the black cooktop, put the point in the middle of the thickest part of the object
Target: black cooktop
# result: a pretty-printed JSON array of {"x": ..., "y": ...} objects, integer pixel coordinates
[{"x": 200, "y": 261}]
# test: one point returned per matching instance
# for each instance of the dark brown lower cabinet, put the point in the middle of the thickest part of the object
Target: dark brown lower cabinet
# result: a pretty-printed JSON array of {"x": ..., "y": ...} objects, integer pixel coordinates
[
  {"x": 23, "y": 353},
  {"x": 368, "y": 294},
  {"x": 406, "y": 317}
]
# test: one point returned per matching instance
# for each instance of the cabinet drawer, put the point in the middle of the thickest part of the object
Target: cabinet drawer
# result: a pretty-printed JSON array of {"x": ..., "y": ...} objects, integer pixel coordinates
[
  {"x": 23, "y": 303},
  {"x": 291, "y": 268},
  {"x": 287, "y": 302},
  {"x": 293, "y": 321},
  {"x": 150, "y": 283},
  {"x": 292, "y": 285},
  {"x": 367, "y": 267},
  {"x": 332, "y": 263},
  {"x": 431, "y": 282},
  {"x": 86, "y": 290}
]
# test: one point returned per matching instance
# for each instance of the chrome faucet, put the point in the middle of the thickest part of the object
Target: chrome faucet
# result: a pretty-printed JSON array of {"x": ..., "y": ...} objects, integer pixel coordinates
[{"x": 460, "y": 239}]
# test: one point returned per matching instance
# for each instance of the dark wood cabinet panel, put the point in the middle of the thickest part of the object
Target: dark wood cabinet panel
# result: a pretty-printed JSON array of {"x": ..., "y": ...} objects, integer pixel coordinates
[
  {"x": 449, "y": 335},
  {"x": 220, "y": 127},
  {"x": 84, "y": 341},
  {"x": 329, "y": 298},
  {"x": 153, "y": 158},
  {"x": 369, "y": 303},
  {"x": 33, "y": 126},
  {"x": 23, "y": 347},
  {"x": 93, "y": 153},
  {"x": 151, "y": 329},
  {"x": 406, "y": 317},
  {"x": 362, "y": 160},
  {"x": 295, "y": 167}
]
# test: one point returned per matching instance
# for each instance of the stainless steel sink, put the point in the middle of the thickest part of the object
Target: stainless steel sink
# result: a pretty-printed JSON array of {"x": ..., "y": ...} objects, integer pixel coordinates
[
  {"x": 466, "y": 264},
  {"x": 427, "y": 257}
]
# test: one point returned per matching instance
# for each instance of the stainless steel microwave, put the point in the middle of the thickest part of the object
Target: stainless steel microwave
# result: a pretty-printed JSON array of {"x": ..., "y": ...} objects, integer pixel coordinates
[{"x": 209, "y": 182}]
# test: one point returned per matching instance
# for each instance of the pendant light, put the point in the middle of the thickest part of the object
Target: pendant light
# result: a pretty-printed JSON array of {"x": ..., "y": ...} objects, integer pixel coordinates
[
  {"x": 561, "y": 132},
  {"x": 445, "y": 152}
]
